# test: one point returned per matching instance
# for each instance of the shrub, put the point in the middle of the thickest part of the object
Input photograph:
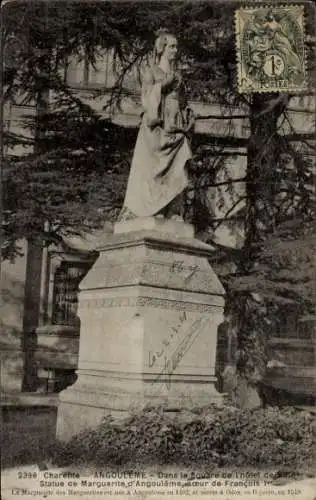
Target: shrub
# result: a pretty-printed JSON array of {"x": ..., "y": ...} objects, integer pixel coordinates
[{"x": 217, "y": 436}]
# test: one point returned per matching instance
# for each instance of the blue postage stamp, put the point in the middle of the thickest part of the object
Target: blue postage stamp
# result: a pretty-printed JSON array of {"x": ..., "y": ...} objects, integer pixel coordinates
[{"x": 271, "y": 54}]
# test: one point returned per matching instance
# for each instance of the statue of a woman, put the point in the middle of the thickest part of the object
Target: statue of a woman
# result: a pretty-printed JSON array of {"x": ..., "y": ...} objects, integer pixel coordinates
[{"x": 158, "y": 174}]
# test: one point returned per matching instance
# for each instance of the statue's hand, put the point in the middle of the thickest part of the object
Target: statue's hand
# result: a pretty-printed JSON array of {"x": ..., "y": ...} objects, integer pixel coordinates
[{"x": 170, "y": 77}]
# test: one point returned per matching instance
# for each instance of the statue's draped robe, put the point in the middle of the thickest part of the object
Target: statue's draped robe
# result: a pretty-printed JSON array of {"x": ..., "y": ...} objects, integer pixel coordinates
[{"x": 158, "y": 173}]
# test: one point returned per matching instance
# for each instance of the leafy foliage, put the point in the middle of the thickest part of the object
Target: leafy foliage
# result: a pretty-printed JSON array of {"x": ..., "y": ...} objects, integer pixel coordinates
[{"x": 210, "y": 437}]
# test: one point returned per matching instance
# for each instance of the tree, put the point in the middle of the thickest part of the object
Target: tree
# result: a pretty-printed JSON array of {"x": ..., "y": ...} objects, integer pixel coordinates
[
  {"x": 49, "y": 38},
  {"x": 77, "y": 175}
]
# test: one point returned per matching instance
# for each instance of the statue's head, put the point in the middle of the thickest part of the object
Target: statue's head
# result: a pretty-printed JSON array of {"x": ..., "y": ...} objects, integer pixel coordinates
[{"x": 166, "y": 45}]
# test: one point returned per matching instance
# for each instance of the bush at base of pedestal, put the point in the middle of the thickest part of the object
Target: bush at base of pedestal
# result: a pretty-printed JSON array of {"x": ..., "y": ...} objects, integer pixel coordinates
[{"x": 214, "y": 436}]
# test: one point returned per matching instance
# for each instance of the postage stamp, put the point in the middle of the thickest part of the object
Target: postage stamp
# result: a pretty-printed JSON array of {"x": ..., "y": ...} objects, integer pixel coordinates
[{"x": 270, "y": 49}]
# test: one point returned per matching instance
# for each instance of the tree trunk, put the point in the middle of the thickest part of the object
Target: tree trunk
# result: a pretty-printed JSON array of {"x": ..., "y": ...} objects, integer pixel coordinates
[
  {"x": 261, "y": 186},
  {"x": 34, "y": 258}
]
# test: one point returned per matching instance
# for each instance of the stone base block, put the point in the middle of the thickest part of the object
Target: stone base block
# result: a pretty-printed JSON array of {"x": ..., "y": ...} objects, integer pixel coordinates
[
  {"x": 85, "y": 407},
  {"x": 161, "y": 225},
  {"x": 149, "y": 310}
]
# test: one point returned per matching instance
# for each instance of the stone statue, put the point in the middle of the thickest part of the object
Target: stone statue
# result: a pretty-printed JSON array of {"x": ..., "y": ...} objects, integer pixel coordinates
[{"x": 158, "y": 174}]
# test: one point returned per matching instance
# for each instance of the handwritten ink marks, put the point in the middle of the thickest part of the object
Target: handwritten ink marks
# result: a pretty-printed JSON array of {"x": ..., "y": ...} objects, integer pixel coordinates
[
  {"x": 181, "y": 349},
  {"x": 175, "y": 347},
  {"x": 178, "y": 267},
  {"x": 153, "y": 356}
]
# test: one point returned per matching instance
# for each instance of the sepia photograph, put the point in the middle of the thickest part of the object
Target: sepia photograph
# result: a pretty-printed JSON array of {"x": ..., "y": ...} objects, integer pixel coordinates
[{"x": 158, "y": 249}]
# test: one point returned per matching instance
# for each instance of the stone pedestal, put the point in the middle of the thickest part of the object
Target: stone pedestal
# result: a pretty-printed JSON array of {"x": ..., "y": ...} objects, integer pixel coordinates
[{"x": 149, "y": 309}]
